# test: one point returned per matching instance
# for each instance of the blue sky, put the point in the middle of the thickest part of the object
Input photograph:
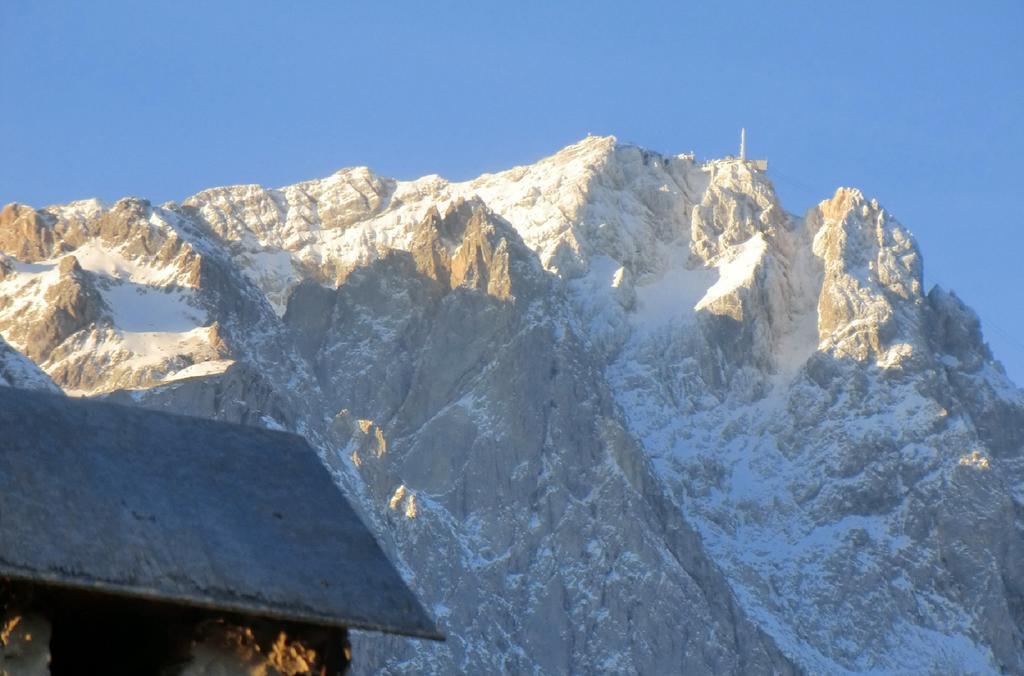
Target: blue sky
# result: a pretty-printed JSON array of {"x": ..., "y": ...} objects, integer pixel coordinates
[{"x": 920, "y": 104}]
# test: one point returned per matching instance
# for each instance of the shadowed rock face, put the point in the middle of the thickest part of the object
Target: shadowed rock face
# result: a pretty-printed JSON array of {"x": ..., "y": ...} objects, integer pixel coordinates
[
  {"x": 17, "y": 370},
  {"x": 610, "y": 412}
]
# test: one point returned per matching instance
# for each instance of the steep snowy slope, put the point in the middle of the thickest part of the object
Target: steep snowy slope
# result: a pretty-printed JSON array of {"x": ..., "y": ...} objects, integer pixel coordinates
[
  {"x": 18, "y": 371},
  {"x": 611, "y": 412}
]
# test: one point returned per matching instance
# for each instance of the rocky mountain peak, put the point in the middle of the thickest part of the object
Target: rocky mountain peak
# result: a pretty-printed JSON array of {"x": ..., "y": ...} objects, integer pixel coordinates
[
  {"x": 871, "y": 303},
  {"x": 25, "y": 234},
  {"x": 472, "y": 247},
  {"x": 737, "y": 204},
  {"x": 575, "y": 396}
]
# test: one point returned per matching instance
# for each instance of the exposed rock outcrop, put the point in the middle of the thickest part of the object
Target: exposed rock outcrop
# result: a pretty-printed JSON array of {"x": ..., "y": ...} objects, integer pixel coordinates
[
  {"x": 614, "y": 411},
  {"x": 871, "y": 302},
  {"x": 70, "y": 303},
  {"x": 25, "y": 233}
]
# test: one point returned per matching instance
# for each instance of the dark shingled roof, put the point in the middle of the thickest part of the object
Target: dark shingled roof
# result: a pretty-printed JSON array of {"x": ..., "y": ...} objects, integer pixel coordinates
[{"x": 190, "y": 511}]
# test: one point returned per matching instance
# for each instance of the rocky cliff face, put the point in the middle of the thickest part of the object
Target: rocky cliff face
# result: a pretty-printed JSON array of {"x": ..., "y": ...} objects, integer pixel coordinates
[{"x": 611, "y": 412}]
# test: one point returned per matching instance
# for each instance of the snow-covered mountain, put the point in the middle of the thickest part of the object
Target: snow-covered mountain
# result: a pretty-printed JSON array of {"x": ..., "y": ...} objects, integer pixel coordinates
[{"x": 613, "y": 412}]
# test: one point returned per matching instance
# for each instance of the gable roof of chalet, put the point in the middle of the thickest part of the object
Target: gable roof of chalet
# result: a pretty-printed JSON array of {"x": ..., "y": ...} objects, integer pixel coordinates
[{"x": 188, "y": 511}]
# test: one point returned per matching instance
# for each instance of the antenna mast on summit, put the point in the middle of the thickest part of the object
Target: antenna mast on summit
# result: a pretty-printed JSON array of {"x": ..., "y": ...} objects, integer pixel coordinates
[{"x": 757, "y": 165}]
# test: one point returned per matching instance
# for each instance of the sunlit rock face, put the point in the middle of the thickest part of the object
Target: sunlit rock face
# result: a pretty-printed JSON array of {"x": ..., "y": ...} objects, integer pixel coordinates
[
  {"x": 871, "y": 303},
  {"x": 612, "y": 412}
]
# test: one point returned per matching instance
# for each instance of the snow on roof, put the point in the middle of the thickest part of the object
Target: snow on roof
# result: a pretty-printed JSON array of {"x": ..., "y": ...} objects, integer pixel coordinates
[{"x": 189, "y": 511}]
